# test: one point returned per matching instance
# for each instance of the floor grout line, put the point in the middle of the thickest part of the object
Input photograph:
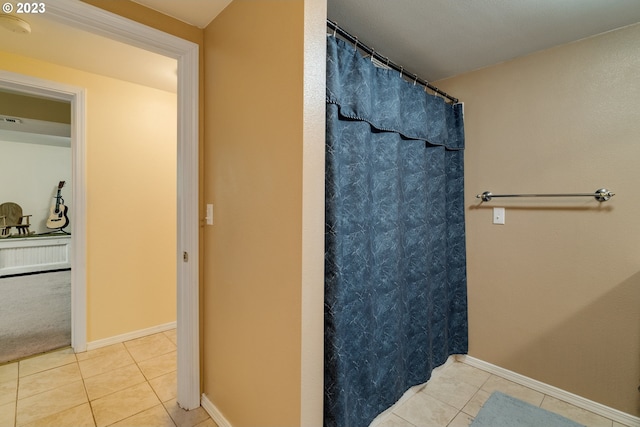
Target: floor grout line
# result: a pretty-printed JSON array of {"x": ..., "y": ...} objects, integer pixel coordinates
[
  {"x": 480, "y": 387},
  {"x": 158, "y": 371}
]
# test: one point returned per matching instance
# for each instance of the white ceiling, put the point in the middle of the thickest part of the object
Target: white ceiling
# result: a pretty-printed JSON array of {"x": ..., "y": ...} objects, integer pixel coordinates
[
  {"x": 195, "y": 12},
  {"x": 432, "y": 38},
  {"x": 58, "y": 43},
  {"x": 442, "y": 38}
]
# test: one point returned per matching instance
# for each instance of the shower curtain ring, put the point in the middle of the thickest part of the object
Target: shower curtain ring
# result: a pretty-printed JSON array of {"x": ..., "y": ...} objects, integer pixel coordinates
[
  {"x": 415, "y": 79},
  {"x": 401, "y": 71},
  {"x": 373, "y": 52},
  {"x": 355, "y": 45},
  {"x": 335, "y": 27}
]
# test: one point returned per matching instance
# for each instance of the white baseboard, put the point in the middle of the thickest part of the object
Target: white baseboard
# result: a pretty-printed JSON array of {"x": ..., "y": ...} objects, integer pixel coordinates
[
  {"x": 130, "y": 336},
  {"x": 213, "y": 412},
  {"x": 579, "y": 401}
]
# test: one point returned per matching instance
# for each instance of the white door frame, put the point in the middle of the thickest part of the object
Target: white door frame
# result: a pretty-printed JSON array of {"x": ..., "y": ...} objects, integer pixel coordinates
[
  {"x": 89, "y": 18},
  {"x": 76, "y": 97}
]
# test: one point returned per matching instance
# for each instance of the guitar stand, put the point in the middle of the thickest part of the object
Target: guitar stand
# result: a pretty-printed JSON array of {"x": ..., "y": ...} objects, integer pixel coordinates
[{"x": 59, "y": 230}]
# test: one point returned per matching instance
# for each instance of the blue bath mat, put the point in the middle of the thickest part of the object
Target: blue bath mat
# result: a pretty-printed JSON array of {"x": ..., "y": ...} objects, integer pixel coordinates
[{"x": 501, "y": 410}]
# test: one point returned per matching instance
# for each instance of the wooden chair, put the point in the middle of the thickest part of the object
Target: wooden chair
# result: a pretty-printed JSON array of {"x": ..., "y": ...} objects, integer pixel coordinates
[{"x": 11, "y": 216}]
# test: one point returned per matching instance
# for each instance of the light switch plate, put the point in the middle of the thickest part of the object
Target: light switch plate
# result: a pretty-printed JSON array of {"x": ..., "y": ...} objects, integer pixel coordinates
[
  {"x": 498, "y": 215},
  {"x": 209, "y": 216}
]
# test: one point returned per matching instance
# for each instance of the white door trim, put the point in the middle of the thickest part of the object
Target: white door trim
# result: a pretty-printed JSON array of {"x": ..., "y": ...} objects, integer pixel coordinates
[
  {"x": 82, "y": 15},
  {"x": 76, "y": 96}
]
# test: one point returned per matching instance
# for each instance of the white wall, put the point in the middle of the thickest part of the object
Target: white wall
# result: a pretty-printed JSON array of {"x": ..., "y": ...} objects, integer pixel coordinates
[{"x": 29, "y": 176}]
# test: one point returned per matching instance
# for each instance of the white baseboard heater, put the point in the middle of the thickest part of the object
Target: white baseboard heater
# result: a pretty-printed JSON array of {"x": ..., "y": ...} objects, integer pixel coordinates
[{"x": 34, "y": 254}]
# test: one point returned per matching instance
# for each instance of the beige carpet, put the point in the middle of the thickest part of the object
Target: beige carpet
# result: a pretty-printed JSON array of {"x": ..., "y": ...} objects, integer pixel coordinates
[{"x": 35, "y": 314}]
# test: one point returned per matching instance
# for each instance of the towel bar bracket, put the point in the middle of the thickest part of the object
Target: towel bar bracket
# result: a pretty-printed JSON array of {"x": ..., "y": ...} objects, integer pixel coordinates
[{"x": 602, "y": 195}]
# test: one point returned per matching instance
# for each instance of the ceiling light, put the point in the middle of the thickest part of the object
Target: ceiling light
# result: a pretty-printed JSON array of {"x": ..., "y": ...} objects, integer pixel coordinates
[{"x": 15, "y": 24}]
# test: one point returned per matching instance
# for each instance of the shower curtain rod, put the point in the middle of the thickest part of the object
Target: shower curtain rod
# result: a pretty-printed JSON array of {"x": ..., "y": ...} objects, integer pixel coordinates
[{"x": 385, "y": 61}]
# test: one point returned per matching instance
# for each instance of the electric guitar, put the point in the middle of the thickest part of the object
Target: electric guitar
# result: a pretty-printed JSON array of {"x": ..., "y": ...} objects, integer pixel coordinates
[{"x": 58, "y": 214}]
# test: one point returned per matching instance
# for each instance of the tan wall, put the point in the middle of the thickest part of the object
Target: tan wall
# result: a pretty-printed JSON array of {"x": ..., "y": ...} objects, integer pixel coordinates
[
  {"x": 31, "y": 107},
  {"x": 253, "y": 176},
  {"x": 130, "y": 170},
  {"x": 554, "y": 293}
]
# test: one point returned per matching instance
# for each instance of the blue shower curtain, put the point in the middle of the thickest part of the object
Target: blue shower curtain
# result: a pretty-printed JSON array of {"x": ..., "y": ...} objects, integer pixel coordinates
[{"x": 395, "y": 263}]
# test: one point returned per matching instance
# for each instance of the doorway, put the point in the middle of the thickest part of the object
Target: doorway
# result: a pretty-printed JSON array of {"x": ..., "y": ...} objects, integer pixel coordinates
[
  {"x": 80, "y": 15},
  {"x": 35, "y": 277}
]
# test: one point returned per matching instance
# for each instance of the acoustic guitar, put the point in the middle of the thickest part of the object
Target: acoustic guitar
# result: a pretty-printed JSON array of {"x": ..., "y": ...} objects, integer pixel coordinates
[{"x": 58, "y": 214}]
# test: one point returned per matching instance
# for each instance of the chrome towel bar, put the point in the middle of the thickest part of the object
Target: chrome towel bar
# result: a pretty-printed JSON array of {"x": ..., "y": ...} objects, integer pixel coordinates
[{"x": 601, "y": 195}]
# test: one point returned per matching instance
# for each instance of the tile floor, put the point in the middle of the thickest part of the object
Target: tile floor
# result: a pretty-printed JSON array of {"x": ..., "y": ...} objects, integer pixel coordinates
[
  {"x": 133, "y": 384},
  {"x": 128, "y": 384},
  {"x": 456, "y": 392}
]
